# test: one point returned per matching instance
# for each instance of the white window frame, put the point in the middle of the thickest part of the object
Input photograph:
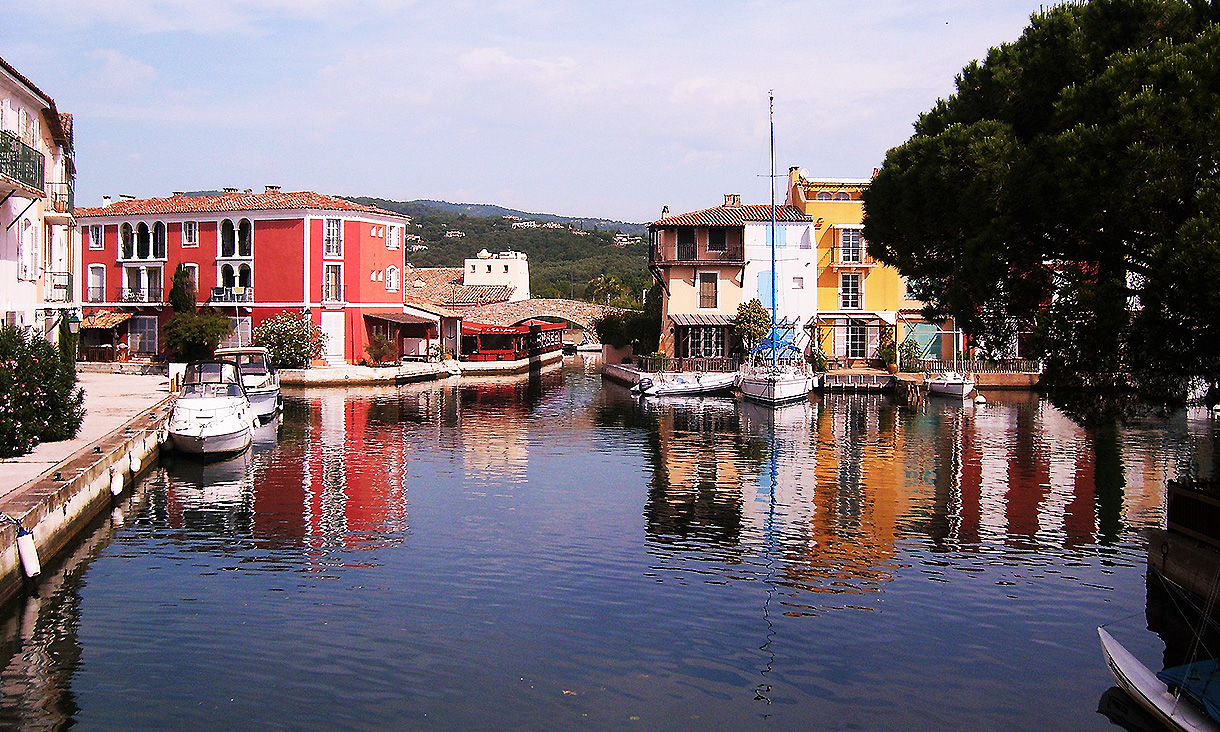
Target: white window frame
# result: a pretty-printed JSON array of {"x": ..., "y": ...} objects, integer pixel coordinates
[
  {"x": 393, "y": 237},
  {"x": 845, "y": 293},
  {"x": 856, "y": 248},
  {"x": 391, "y": 279},
  {"x": 332, "y": 238},
  {"x": 193, "y": 269},
  {"x": 798, "y": 283},
  {"x": 856, "y": 335},
  {"x": 699, "y": 289},
  {"x": 97, "y": 237},
  {"x": 327, "y": 294},
  {"x": 101, "y": 295},
  {"x": 190, "y": 234}
]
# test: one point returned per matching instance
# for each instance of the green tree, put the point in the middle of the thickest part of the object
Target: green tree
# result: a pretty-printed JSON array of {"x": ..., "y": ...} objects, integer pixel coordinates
[
  {"x": 39, "y": 398},
  {"x": 292, "y": 340},
  {"x": 1069, "y": 186},
  {"x": 195, "y": 336},
  {"x": 182, "y": 295},
  {"x": 752, "y": 324}
]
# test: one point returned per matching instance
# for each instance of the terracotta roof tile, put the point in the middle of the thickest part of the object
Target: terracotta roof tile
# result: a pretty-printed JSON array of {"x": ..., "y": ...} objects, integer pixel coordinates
[
  {"x": 104, "y": 319},
  {"x": 443, "y": 286},
  {"x": 733, "y": 216},
  {"x": 231, "y": 202}
]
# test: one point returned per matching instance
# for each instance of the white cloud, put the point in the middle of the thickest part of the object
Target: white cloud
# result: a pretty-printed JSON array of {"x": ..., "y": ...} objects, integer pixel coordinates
[{"x": 116, "y": 73}]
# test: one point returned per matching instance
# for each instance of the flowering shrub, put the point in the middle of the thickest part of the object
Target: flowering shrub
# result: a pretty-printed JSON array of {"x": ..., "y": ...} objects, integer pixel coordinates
[
  {"x": 39, "y": 399},
  {"x": 291, "y": 339}
]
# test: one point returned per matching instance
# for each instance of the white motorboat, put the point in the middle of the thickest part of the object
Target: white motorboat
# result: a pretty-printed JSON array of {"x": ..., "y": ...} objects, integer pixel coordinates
[
  {"x": 685, "y": 384},
  {"x": 775, "y": 384},
  {"x": 258, "y": 376},
  {"x": 1150, "y": 692},
  {"x": 950, "y": 383},
  {"x": 212, "y": 415}
]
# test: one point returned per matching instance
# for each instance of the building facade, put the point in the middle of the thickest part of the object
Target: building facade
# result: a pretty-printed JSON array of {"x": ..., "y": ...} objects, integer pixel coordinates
[
  {"x": 39, "y": 260},
  {"x": 828, "y": 291},
  {"x": 251, "y": 256},
  {"x": 860, "y": 302}
]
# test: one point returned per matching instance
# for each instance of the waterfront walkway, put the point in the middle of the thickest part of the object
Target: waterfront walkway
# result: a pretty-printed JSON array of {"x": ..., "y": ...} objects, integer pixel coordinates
[{"x": 111, "y": 401}]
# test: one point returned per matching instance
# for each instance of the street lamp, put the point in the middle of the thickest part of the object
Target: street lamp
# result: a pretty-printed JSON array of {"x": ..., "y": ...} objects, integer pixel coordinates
[{"x": 73, "y": 323}]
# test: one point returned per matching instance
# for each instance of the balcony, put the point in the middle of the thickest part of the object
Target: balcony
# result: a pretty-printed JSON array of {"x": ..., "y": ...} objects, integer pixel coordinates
[
  {"x": 852, "y": 257},
  {"x": 671, "y": 254},
  {"x": 20, "y": 162},
  {"x": 57, "y": 287},
  {"x": 231, "y": 295},
  {"x": 63, "y": 197},
  {"x": 141, "y": 294}
]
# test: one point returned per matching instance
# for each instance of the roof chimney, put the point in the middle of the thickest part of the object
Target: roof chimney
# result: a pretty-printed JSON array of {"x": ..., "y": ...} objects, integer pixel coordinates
[
  {"x": 127, "y": 197},
  {"x": 105, "y": 201},
  {"x": 248, "y": 191},
  {"x": 664, "y": 212},
  {"x": 179, "y": 193},
  {"x": 271, "y": 189},
  {"x": 732, "y": 200},
  {"x": 229, "y": 190}
]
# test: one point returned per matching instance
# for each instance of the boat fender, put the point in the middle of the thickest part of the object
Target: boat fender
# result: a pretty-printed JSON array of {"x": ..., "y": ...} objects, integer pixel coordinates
[
  {"x": 116, "y": 480},
  {"x": 134, "y": 460},
  {"x": 980, "y": 399},
  {"x": 644, "y": 385},
  {"x": 28, "y": 552}
]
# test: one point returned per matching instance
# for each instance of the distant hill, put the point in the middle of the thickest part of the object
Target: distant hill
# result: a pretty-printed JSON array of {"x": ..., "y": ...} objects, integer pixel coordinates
[
  {"x": 567, "y": 259},
  {"x": 491, "y": 210}
]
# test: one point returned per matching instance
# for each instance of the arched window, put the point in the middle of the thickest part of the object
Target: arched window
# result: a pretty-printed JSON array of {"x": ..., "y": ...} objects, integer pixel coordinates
[
  {"x": 143, "y": 245},
  {"x": 158, "y": 240},
  {"x": 391, "y": 279},
  {"x": 227, "y": 278},
  {"x": 127, "y": 242},
  {"x": 243, "y": 275},
  {"x": 228, "y": 245},
  {"x": 823, "y": 196},
  {"x": 841, "y": 196},
  {"x": 245, "y": 238}
]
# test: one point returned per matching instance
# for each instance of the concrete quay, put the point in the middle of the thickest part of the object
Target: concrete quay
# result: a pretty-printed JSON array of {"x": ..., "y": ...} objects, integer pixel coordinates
[{"x": 60, "y": 487}]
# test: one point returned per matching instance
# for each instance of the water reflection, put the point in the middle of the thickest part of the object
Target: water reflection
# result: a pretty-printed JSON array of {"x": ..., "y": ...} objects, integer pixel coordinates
[{"x": 545, "y": 552}]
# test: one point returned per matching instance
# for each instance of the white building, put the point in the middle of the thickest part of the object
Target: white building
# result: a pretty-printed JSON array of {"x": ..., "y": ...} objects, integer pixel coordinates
[
  {"x": 505, "y": 268},
  {"x": 39, "y": 245}
]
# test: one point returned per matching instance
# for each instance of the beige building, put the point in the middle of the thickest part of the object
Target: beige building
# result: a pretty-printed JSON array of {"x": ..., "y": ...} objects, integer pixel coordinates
[{"x": 39, "y": 244}]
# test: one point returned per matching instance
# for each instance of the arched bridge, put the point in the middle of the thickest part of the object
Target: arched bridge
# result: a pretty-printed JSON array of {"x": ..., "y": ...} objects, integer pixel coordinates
[{"x": 511, "y": 313}]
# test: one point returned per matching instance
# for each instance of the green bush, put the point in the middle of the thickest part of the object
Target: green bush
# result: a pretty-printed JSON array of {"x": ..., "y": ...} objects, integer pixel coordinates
[
  {"x": 381, "y": 349},
  {"x": 292, "y": 340},
  {"x": 39, "y": 399}
]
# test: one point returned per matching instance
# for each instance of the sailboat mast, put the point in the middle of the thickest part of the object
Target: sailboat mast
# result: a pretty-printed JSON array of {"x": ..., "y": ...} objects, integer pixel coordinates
[{"x": 774, "y": 304}]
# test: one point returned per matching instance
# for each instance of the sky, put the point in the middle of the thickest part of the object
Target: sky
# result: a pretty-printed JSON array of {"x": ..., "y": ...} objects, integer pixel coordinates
[{"x": 573, "y": 107}]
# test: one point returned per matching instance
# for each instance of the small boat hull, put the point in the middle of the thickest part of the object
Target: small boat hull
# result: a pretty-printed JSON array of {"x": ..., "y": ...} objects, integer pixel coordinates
[
  {"x": 775, "y": 389},
  {"x": 950, "y": 385},
  {"x": 1150, "y": 692},
  {"x": 266, "y": 403},
  {"x": 207, "y": 443},
  {"x": 698, "y": 384}
]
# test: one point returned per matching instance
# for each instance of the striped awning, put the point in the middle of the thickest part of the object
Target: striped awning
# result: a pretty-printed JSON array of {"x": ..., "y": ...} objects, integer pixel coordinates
[{"x": 688, "y": 319}]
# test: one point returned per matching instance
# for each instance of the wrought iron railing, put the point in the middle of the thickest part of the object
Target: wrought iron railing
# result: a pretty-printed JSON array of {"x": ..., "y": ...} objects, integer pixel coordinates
[
  {"x": 232, "y": 294},
  {"x": 851, "y": 257},
  {"x": 657, "y": 364},
  {"x": 63, "y": 196},
  {"x": 57, "y": 287},
  {"x": 140, "y": 294},
  {"x": 670, "y": 253},
  {"x": 333, "y": 293},
  {"x": 21, "y": 162},
  {"x": 95, "y": 294},
  {"x": 977, "y": 366}
]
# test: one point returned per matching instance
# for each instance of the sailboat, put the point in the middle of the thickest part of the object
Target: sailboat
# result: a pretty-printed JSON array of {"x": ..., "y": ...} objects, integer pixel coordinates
[
  {"x": 785, "y": 378},
  {"x": 1153, "y": 693}
]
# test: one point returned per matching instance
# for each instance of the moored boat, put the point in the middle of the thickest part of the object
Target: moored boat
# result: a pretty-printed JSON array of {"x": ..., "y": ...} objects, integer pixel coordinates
[
  {"x": 259, "y": 378},
  {"x": 212, "y": 415},
  {"x": 1152, "y": 693},
  {"x": 685, "y": 384},
  {"x": 775, "y": 384},
  {"x": 950, "y": 383}
]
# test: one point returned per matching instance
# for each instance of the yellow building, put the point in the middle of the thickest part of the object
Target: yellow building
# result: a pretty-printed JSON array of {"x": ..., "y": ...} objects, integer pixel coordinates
[{"x": 860, "y": 302}]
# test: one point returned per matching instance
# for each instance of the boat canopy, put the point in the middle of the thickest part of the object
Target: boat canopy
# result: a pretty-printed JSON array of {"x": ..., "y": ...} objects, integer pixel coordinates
[{"x": 1199, "y": 681}]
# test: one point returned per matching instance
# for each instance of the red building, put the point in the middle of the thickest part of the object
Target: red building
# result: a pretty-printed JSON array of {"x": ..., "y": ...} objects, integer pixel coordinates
[{"x": 252, "y": 256}]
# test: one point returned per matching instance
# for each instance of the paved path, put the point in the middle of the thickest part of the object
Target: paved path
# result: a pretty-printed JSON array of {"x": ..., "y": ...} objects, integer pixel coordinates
[{"x": 111, "y": 400}]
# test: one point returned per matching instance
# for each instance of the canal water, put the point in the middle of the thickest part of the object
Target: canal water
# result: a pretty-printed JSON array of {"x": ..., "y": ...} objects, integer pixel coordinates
[{"x": 546, "y": 553}]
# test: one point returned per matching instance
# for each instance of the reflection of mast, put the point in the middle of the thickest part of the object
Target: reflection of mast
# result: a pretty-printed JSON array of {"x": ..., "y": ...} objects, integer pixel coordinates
[{"x": 762, "y": 691}]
